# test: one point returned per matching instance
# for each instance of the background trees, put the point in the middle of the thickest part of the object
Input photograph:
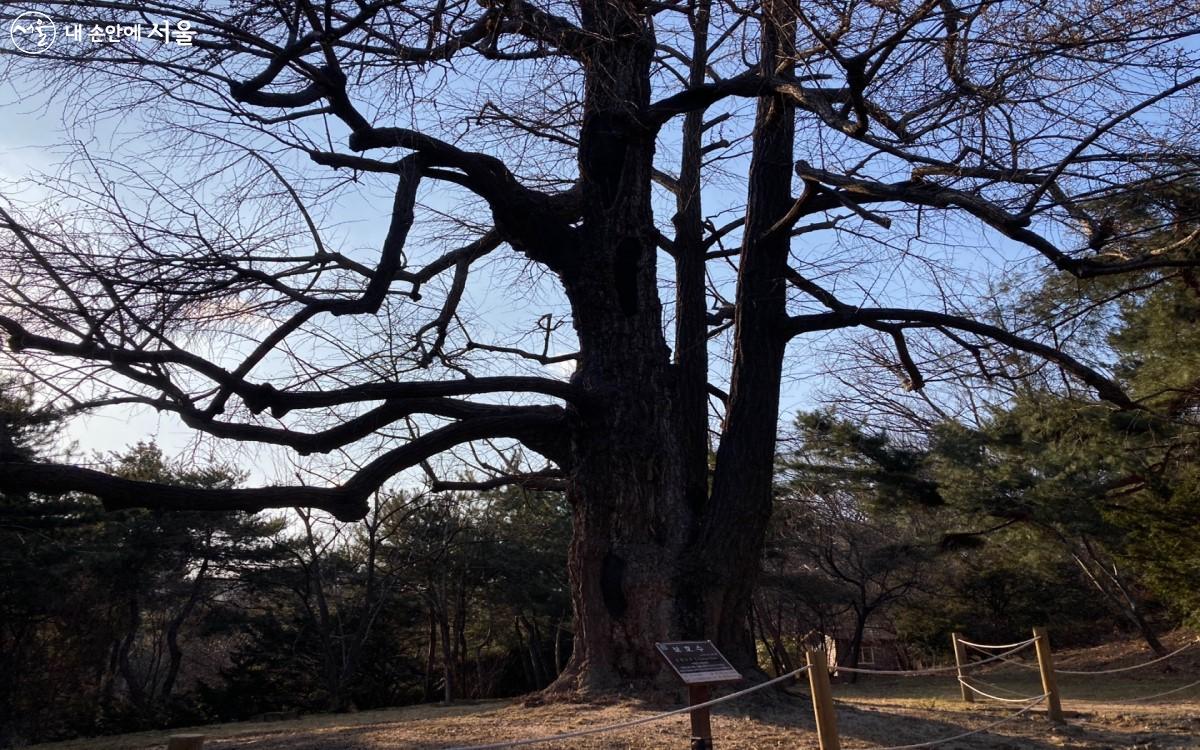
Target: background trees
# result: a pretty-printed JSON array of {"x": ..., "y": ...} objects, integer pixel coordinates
[
  {"x": 101, "y": 610},
  {"x": 1035, "y": 463},
  {"x": 961, "y": 528},
  {"x": 117, "y": 621},
  {"x": 844, "y": 542}
]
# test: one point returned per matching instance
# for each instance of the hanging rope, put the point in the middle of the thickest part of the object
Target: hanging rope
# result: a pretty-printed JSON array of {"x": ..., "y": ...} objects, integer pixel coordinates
[
  {"x": 634, "y": 722},
  {"x": 1156, "y": 695},
  {"x": 1179, "y": 650},
  {"x": 1059, "y": 670},
  {"x": 1001, "y": 657},
  {"x": 938, "y": 670},
  {"x": 996, "y": 645},
  {"x": 993, "y": 686},
  {"x": 1022, "y": 699},
  {"x": 993, "y": 725}
]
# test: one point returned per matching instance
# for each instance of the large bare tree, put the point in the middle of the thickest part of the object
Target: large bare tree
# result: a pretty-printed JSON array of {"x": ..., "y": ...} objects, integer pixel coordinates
[{"x": 693, "y": 184}]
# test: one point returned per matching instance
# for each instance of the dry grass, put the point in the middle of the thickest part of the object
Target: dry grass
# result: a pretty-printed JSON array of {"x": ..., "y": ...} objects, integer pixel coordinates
[{"x": 873, "y": 713}]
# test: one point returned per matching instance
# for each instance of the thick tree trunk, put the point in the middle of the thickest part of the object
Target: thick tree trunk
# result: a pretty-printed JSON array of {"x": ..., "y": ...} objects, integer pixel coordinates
[
  {"x": 729, "y": 545},
  {"x": 652, "y": 558},
  {"x": 628, "y": 479}
]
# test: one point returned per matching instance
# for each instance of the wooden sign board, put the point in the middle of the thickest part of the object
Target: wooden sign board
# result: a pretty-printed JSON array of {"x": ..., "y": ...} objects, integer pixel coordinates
[{"x": 697, "y": 662}]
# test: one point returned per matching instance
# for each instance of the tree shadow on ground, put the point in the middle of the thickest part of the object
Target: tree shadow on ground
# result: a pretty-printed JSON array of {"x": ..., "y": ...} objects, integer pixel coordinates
[
  {"x": 889, "y": 726},
  {"x": 780, "y": 721}
]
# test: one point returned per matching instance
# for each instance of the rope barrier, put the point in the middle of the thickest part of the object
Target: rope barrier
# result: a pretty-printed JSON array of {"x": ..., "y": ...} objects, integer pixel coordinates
[
  {"x": 635, "y": 722},
  {"x": 996, "y": 645},
  {"x": 993, "y": 725},
  {"x": 994, "y": 686},
  {"x": 938, "y": 670},
  {"x": 1115, "y": 670},
  {"x": 901, "y": 672},
  {"x": 1012, "y": 648},
  {"x": 995, "y": 697},
  {"x": 1182, "y": 648},
  {"x": 1013, "y": 662},
  {"x": 1156, "y": 695}
]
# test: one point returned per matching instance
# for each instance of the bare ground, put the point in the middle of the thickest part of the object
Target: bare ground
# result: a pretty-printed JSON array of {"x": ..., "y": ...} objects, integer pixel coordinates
[{"x": 875, "y": 713}]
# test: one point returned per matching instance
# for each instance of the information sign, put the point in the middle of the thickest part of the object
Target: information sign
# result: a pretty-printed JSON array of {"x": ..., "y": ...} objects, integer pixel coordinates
[{"x": 697, "y": 662}]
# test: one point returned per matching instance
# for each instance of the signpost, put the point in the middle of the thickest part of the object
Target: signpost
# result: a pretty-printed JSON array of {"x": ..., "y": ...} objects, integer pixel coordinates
[{"x": 699, "y": 664}]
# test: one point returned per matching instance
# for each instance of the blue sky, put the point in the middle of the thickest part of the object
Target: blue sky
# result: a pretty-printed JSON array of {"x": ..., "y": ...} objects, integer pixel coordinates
[{"x": 31, "y": 126}]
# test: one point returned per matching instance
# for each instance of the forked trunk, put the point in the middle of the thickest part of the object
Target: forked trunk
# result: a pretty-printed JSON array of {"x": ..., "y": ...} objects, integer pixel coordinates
[
  {"x": 631, "y": 522},
  {"x": 652, "y": 558},
  {"x": 728, "y": 547}
]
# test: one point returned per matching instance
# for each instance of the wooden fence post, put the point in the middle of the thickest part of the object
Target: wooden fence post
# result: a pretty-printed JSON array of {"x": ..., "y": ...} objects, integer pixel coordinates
[
  {"x": 185, "y": 742},
  {"x": 960, "y": 657},
  {"x": 1049, "y": 680},
  {"x": 701, "y": 720},
  {"x": 822, "y": 698}
]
